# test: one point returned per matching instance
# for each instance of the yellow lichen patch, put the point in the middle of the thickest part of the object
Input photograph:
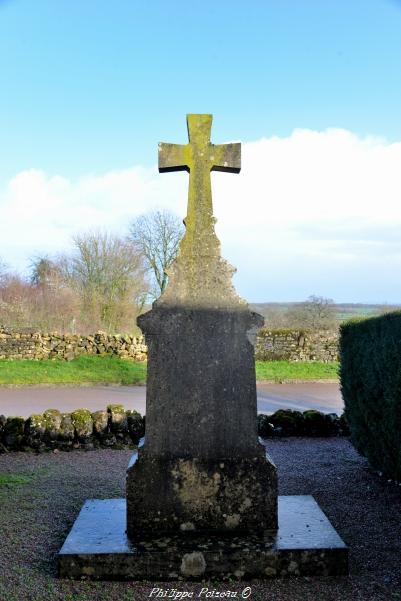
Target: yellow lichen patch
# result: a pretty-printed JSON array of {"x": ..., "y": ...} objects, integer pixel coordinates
[
  {"x": 200, "y": 248},
  {"x": 193, "y": 564},
  {"x": 194, "y": 487},
  {"x": 232, "y": 521}
]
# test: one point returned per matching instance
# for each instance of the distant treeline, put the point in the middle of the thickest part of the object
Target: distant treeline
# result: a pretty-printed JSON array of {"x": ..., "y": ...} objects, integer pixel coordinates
[{"x": 316, "y": 313}]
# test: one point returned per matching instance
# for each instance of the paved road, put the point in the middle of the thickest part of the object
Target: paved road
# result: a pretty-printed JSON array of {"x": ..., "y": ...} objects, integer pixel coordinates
[
  {"x": 306, "y": 395},
  {"x": 36, "y": 399}
]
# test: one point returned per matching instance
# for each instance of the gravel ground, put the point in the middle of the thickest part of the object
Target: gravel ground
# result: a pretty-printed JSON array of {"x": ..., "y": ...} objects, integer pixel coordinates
[{"x": 36, "y": 517}]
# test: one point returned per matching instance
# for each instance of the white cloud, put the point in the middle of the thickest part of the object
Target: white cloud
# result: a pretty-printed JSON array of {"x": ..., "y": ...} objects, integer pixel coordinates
[{"x": 310, "y": 213}]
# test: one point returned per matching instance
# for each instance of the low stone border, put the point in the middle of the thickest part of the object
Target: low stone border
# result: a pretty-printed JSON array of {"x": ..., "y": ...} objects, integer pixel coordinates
[
  {"x": 286, "y": 422},
  {"x": 117, "y": 428},
  {"x": 114, "y": 427}
]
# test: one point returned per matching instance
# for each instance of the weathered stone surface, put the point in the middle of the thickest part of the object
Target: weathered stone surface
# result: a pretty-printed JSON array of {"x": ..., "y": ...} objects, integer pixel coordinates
[
  {"x": 297, "y": 345},
  {"x": 198, "y": 387},
  {"x": 100, "y": 423},
  {"x": 294, "y": 345},
  {"x": 265, "y": 427},
  {"x": 35, "y": 428},
  {"x": 39, "y": 345},
  {"x": 13, "y": 433},
  {"x": 118, "y": 424},
  {"x": 201, "y": 495},
  {"x": 136, "y": 425},
  {"x": 52, "y": 419},
  {"x": 117, "y": 419},
  {"x": 3, "y": 420},
  {"x": 201, "y": 388},
  {"x": 319, "y": 424},
  {"x": 305, "y": 545},
  {"x": 83, "y": 425},
  {"x": 287, "y": 422},
  {"x": 67, "y": 430}
]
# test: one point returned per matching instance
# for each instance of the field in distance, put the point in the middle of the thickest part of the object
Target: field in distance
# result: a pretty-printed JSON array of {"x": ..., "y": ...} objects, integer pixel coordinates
[{"x": 342, "y": 311}]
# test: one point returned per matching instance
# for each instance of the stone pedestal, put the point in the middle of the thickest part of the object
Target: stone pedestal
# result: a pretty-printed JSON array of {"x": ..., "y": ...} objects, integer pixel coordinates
[
  {"x": 202, "y": 496},
  {"x": 305, "y": 544},
  {"x": 202, "y": 468}
]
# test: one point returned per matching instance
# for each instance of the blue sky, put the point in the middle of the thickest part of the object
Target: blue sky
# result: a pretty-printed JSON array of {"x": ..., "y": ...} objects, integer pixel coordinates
[{"x": 89, "y": 88}]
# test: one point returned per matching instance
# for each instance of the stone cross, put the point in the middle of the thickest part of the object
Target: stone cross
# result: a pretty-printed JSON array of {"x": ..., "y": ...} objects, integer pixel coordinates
[
  {"x": 199, "y": 157},
  {"x": 201, "y": 467}
]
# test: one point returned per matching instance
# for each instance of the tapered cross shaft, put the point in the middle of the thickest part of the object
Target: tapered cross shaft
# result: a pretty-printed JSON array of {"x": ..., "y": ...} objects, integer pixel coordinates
[{"x": 199, "y": 157}]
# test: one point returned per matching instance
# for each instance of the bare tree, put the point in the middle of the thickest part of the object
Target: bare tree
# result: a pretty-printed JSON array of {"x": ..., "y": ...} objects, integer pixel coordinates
[
  {"x": 157, "y": 236},
  {"x": 43, "y": 270},
  {"x": 3, "y": 272},
  {"x": 13, "y": 305},
  {"x": 55, "y": 305},
  {"x": 316, "y": 313},
  {"x": 108, "y": 274}
]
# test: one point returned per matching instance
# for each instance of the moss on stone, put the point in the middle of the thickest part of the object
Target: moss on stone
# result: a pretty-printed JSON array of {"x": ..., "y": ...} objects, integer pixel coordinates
[
  {"x": 136, "y": 425},
  {"x": 52, "y": 418},
  {"x": 118, "y": 420},
  {"x": 66, "y": 432},
  {"x": 35, "y": 425},
  {"x": 115, "y": 408},
  {"x": 83, "y": 424},
  {"x": 290, "y": 422},
  {"x": 316, "y": 423},
  {"x": 13, "y": 434},
  {"x": 100, "y": 422},
  {"x": 80, "y": 417},
  {"x": 15, "y": 425}
]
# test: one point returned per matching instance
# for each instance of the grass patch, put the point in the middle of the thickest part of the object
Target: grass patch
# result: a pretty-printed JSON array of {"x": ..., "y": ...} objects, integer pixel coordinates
[
  {"x": 282, "y": 371},
  {"x": 108, "y": 369},
  {"x": 105, "y": 369},
  {"x": 13, "y": 480}
]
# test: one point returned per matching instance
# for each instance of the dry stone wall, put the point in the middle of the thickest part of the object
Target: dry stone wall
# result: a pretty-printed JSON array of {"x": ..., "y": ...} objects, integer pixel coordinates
[
  {"x": 114, "y": 427},
  {"x": 292, "y": 345},
  {"x": 296, "y": 345},
  {"x": 39, "y": 345},
  {"x": 118, "y": 428}
]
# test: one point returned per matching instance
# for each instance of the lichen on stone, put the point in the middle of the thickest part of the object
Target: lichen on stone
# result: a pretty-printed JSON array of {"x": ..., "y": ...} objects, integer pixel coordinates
[{"x": 193, "y": 564}]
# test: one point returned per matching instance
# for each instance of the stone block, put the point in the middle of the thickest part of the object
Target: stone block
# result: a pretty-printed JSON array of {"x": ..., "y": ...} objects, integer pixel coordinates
[
  {"x": 35, "y": 428},
  {"x": 118, "y": 422},
  {"x": 100, "y": 424},
  {"x": 290, "y": 422},
  {"x": 136, "y": 425},
  {"x": 52, "y": 421},
  {"x": 67, "y": 430},
  {"x": 221, "y": 495},
  {"x": 305, "y": 544},
  {"x": 83, "y": 425},
  {"x": 13, "y": 432},
  {"x": 3, "y": 420}
]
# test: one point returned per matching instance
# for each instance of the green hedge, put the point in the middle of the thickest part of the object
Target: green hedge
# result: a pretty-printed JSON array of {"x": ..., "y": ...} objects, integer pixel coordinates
[{"x": 370, "y": 372}]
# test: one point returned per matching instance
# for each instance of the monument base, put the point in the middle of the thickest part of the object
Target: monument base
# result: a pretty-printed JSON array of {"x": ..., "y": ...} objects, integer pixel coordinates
[
  {"x": 306, "y": 544},
  {"x": 225, "y": 495}
]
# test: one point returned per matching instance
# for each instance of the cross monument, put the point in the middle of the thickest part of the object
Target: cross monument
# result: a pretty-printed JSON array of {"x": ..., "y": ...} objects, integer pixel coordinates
[
  {"x": 201, "y": 447},
  {"x": 201, "y": 497}
]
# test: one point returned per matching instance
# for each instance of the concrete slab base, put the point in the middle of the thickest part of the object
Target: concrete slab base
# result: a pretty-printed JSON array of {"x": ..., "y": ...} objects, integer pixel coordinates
[{"x": 306, "y": 544}]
